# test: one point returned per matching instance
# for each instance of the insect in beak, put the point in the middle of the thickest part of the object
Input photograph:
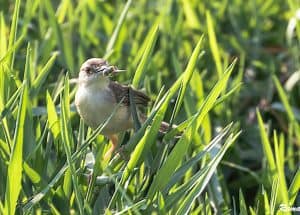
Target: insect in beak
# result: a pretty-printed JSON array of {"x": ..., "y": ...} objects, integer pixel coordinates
[{"x": 109, "y": 70}]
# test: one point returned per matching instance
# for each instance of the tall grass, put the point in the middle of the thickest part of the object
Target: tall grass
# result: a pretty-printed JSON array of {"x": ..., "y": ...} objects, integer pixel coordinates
[{"x": 224, "y": 72}]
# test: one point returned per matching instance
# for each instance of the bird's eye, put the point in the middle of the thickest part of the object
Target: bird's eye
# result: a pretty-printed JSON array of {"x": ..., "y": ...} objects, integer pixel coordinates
[{"x": 89, "y": 70}]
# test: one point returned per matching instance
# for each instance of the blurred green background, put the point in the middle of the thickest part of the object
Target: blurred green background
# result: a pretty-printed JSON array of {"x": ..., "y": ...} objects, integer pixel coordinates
[{"x": 42, "y": 41}]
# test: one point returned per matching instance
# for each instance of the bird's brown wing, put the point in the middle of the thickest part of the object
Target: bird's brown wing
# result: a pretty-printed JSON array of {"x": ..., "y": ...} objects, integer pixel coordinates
[{"x": 121, "y": 93}]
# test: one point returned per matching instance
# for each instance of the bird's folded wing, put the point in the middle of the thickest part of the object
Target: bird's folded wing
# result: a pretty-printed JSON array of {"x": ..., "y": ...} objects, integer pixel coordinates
[{"x": 121, "y": 93}]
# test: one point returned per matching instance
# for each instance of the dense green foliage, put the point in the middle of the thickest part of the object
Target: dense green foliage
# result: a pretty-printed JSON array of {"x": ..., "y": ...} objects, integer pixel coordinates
[{"x": 226, "y": 72}]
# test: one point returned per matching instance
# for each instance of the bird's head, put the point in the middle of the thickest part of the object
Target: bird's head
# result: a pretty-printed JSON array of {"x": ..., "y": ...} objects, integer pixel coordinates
[{"x": 96, "y": 70}]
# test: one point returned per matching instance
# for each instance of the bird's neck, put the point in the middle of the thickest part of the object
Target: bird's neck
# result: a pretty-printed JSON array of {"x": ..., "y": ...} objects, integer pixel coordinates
[{"x": 97, "y": 84}]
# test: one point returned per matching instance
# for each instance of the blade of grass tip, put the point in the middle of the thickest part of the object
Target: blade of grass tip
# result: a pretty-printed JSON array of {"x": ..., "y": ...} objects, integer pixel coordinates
[
  {"x": 11, "y": 103},
  {"x": 274, "y": 193},
  {"x": 14, "y": 175},
  {"x": 266, "y": 145},
  {"x": 228, "y": 94},
  {"x": 280, "y": 171},
  {"x": 150, "y": 42},
  {"x": 3, "y": 35},
  {"x": 52, "y": 117},
  {"x": 266, "y": 206},
  {"x": 67, "y": 139},
  {"x": 133, "y": 207},
  {"x": 243, "y": 207},
  {"x": 218, "y": 88},
  {"x": 39, "y": 196},
  {"x": 201, "y": 183},
  {"x": 284, "y": 99},
  {"x": 115, "y": 34},
  {"x": 13, "y": 32},
  {"x": 294, "y": 187},
  {"x": 186, "y": 78},
  {"x": 213, "y": 43},
  {"x": 63, "y": 44},
  {"x": 11, "y": 50},
  {"x": 39, "y": 81}
]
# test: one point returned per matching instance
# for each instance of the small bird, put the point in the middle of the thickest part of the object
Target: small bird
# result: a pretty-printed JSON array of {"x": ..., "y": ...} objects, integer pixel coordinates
[{"x": 98, "y": 96}]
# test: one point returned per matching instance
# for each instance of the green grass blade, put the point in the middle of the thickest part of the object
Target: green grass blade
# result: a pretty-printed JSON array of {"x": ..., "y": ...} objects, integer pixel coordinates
[
  {"x": 75, "y": 156},
  {"x": 14, "y": 175},
  {"x": 149, "y": 44},
  {"x": 294, "y": 187},
  {"x": 201, "y": 183},
  {"x": 3, "y": 37},
  {"x": 67, "y": 140},
  {"x": 284, "y": 99},
  {"x": 213, "y": 43},
  {"x": 10, "y": 104},
  {"x": 280, "y": 170},
  {"x": 39, "y": 81},
  {"x": 63, "y": 41},
  {"x": 188, "y": 75},
  {"x": 243, "y": 207},
  {"x": 180, "y": 172},
  {"x": 13, "y": 32},
  {"x": 175, "y": 157},
  {"x": 52, "y": 117},
  {"x": 266, "y": 144},
  {"x": 113, "y": 38}
]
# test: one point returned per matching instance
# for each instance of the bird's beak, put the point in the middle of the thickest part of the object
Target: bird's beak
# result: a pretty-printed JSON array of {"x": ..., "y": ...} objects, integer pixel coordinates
[{"x": 112, "y": 70}]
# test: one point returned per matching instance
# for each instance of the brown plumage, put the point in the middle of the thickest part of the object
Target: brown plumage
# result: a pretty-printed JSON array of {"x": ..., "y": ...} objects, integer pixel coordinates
[{"x": 121, "y": 93}]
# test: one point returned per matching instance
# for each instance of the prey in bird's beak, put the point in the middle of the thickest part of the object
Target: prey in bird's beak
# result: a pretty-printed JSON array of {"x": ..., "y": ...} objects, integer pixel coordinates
[{"x": 107, "y": 70}]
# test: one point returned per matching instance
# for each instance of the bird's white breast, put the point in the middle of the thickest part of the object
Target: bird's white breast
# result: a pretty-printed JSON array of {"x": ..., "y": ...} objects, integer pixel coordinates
[{"x": 95, "y": 106}]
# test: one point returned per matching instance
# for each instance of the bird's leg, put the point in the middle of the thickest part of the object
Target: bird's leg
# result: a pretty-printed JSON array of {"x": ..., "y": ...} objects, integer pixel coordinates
[{"x": 114, "y": 140}]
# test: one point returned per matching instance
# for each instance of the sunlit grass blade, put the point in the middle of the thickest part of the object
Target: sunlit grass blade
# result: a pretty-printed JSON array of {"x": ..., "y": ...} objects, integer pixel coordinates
[
  {"x": 63, "y": 42},
  {"x": 135, "y": 156},
  {"x": 52, "y": 116},
  {"x": 213, "y": 43},
  {"x": 149, "y": 44},
  {"x": 39, "y": 81},
  {"x": 13, "y": 32},
  {"x": 280, "y": 168},
  {"x": 274, "y": 195},
  {"x": 180, "y": 172},
  {"x": 67, "y": 140},
  {"x": 285, "y": 101},
  {"x": 14, "y": 175},
  {"x": 266, "y": 145},
  {"x": 188, "y": 75},
  {"x": 175, "y": 157},
  {"x": 117, "y": 29},
  {"x": 10, "y": 52},
  {"x": 294, "y": 187},
  {"x": 10, "y": 104},
  {"x": 3, "y": 37},
  {"x": 201, "y": 183},
  {"x": 243, "y": 207},
  {"x": 133, "y": 207}
]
